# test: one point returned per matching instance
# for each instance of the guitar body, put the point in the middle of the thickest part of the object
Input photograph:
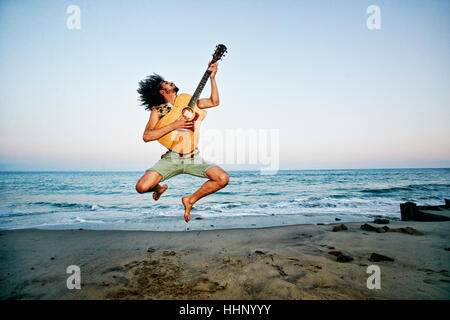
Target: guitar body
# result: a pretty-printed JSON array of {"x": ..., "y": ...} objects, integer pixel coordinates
[{"x": 181, "y": 140}]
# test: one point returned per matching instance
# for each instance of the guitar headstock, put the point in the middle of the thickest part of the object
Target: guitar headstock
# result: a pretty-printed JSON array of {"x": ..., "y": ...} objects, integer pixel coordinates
[{"x": 219, "y": 53}]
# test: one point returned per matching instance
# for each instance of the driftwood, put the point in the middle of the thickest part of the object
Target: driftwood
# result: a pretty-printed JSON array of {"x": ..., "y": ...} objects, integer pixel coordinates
[{"x": 411, "y": 211}]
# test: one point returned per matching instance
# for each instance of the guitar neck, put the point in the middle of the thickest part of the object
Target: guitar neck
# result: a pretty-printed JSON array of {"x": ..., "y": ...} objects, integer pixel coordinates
[{"x": 198, "y": 91}]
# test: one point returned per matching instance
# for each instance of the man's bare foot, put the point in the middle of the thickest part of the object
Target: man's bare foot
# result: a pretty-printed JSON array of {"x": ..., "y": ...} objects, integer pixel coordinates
[
  {"x": 187, "y": 208},
  {"x": 159, "y": 192}
]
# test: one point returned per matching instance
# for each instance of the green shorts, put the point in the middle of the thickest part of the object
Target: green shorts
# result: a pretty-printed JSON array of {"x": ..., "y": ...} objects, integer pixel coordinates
[{"x": 171, "y": 165}]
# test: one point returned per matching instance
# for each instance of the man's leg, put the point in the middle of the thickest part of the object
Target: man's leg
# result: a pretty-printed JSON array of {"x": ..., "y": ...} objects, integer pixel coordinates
[
  {"x": 150, "y": 182},
  {"x": 218, "y": 180}
]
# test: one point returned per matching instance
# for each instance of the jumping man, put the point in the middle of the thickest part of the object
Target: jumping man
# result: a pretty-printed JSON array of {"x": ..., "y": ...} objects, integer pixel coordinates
[{"x": 158, "y": 96}]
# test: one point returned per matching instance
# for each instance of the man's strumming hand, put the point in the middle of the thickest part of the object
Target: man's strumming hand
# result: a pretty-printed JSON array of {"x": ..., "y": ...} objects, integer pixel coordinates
[{"x": 182, "y": 124}]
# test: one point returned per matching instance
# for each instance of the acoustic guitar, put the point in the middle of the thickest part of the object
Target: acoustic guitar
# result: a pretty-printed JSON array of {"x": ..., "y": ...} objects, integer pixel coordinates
[{"x": 184, "y": 141}]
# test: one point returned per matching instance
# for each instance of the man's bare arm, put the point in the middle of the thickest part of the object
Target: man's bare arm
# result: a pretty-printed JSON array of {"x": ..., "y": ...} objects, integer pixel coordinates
[
  {"x": 151, "y": 133},
  {"x": 213, "y": 101}
]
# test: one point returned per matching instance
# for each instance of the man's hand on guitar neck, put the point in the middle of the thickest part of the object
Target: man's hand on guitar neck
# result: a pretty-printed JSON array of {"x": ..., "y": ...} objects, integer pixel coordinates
[
  {"x": 212, "y": 101},
  {"x": 213, "y": 69}
]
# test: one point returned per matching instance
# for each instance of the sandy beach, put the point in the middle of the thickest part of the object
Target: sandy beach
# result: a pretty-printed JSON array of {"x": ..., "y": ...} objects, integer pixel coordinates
[{"x": 288, "y": 262}]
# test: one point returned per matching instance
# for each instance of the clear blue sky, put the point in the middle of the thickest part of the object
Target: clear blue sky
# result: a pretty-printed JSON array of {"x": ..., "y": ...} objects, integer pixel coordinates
[{"x": 342, "y": 96}]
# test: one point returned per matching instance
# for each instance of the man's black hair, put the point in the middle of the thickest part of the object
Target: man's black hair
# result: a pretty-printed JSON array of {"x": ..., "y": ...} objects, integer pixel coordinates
[{"x": 149, "y": 91}]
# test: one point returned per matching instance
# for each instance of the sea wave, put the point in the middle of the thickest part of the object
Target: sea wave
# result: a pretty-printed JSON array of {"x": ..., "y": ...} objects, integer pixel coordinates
[
  {"x": 411, "y": 187},
  {"x": 62, "y": 204}
]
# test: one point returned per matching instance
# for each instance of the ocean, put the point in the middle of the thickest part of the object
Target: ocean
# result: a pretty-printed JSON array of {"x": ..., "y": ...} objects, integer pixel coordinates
[{"x": 108, "y": 200}]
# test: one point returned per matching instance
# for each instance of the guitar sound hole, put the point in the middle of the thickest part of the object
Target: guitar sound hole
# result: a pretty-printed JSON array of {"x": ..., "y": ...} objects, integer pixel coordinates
[{"x": 188, "y": 113}]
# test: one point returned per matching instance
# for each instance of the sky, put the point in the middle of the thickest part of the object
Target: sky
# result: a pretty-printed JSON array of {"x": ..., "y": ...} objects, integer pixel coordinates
[{"x": 340, "y": 95}]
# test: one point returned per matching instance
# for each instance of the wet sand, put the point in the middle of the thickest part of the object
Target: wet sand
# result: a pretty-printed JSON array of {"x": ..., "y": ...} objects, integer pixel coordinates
[{"x": 288, "y": 262}]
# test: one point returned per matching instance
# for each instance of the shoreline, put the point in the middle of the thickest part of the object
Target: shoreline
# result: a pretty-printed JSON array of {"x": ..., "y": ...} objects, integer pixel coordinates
[
  {"x": 208, "y": 223},
  {"x": 275, "y": 262}
]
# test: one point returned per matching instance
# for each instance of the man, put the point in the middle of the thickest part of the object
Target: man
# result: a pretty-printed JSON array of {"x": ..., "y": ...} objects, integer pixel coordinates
[{"x": 159, "y": 96}]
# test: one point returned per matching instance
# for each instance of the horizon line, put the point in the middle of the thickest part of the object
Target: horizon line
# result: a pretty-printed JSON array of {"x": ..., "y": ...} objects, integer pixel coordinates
[{"x": 229, "y": 170}]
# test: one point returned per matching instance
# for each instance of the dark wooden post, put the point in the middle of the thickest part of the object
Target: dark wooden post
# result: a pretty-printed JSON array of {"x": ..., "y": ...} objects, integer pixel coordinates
[{"x": 408, "y": 211}]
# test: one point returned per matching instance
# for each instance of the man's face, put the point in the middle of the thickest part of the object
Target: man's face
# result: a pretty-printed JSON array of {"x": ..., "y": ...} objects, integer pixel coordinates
[{"x": 169, "y": 87}]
